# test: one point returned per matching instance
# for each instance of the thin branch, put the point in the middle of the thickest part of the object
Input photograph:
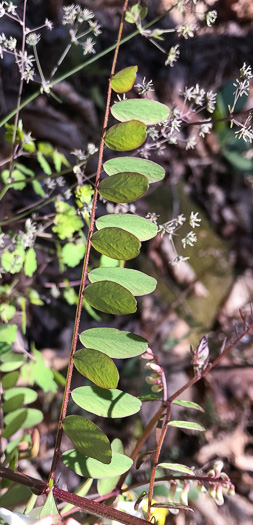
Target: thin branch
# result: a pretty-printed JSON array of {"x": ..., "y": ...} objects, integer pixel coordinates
[
  {"x": 20, "y": 87},
  {"x": 157, "y": 455},
  {"x": 98, "y": 509}
]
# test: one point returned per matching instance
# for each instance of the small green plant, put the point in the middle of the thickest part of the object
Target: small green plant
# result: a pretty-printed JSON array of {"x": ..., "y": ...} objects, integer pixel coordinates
[{"x": 112, "y": 288}]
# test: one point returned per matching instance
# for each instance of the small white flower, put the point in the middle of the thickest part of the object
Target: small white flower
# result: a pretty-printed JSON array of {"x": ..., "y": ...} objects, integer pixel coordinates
[
  {"x": 28, "y": 75},
  {"x": 173, "y": 56},
  {"x": 153, "y": 133},
  {"x": 194, "y": 220},
  {"x": 88, "y": 46},
  {"x": 91, "y": 149},
  {"x": 144, "y": 87},
  {"x": 242, "y": 87},
  {"x": 179, "y": 259},
  {"x": 180, "y": 220},
  {"x": 211, "y": 17},
  {"x": 2, "y": 9},
  {"x": 245, "y": 72},
  {"x": 152, "y": 217},
  {"x": 1, "y": 240},
  {"x": 11, "y": 43},
  {"x": 95, "y": 28},
  {"x": 186, "y": 31},
  {"x": 245, "y": 133},
  {"x": 32, "y": 39},
  {"x": 67, "y": 194},
  {"x": 49, "y": 25},
  {"x": 50, "y": 183},
  {"x": 205, "y": 129},
  {"x": 60, "y": 181},
  {"x": 191, "y": 143},
  {"x": 85, "y": 15},
  {"x": 189, "y": 239},
  {"x": 211, "y": 101}
]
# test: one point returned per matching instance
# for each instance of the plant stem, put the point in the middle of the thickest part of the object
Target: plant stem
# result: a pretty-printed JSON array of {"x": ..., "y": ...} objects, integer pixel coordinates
[
  {"x": 98, "y": 509},
  {"x": 86, "y": 258},
  {"x": 43, "y": 80},
  {"x": 157, "y": 455},
  {"x": 17, "y": 111}
]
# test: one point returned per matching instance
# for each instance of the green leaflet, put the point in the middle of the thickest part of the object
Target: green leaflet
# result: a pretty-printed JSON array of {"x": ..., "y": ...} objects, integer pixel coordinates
[
  {"x": 141, "y": 228},
  {"x": 123, "y": 187},
  {"x": 115, "y": 343},
  {"x": 177, "y": 468},
  {"x": 87, "y": 438},
  {"x": 124, "y": 80},
  {"x": 116, "y": 243},
  {"x": 49, "y": 508},
  {"x": 12, "y": 262},
  {"x": 89, "y": 467},
  {"x": 97, "y": 367},
  {"x": 154, "y": 172},
  {"x": 126, "y": 136},
  {"x": 15, "y": 424},
  {"x": 8, "y": 334},
  {"x": 110, "y": 298},
  {"x": 143, "y": 110},
  {"x": 136, "y": 282},
  {"x": 73, "y": 253},
  {"x": 10, "y": 362},
  {"x": 13, "y": 403},
  {"x": 190, "y": 425},
  {"x": 10, "y": 379},
  {"x": 32, "y": 417},
  {"x": 106, "y": 403},
  {"x": 30, "y": 262},
  {"x": 187, "y": 404},
  {"x": 29, "y": 395}
]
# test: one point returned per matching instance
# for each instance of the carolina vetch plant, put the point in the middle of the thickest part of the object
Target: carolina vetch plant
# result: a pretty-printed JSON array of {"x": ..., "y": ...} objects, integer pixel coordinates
[{"x": 113, "y": 290}]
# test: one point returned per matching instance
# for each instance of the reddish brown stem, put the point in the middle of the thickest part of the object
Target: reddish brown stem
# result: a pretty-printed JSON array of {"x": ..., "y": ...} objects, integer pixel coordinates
[
  {"x": 98, "y": 509},
  {"x": 36, "y": 484},
  {"x": 86, "y": 259},
  {"x": 157, "y": 455}
]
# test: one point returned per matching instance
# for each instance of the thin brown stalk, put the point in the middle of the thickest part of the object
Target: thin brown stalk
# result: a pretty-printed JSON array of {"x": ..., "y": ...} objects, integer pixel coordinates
[
  {"x": 23, "y": 23},
  {"x": 157, "y": 455},
  {"x": 86, "y": 259}
]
